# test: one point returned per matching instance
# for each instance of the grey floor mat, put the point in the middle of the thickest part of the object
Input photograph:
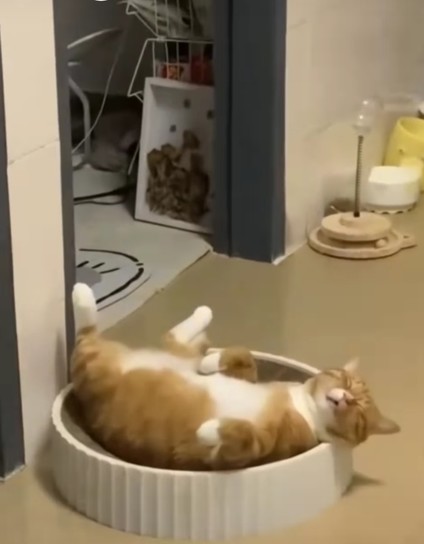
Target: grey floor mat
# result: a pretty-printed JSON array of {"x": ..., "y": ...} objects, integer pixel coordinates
[{"x": 112, "y": 275}]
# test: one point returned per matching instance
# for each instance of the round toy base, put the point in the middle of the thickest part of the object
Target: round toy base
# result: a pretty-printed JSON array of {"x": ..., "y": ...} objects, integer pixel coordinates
[
  {"x": 392, "y": 243},
  {"x": 346, "y": 227},
  {"x": 189, "y": 505}
]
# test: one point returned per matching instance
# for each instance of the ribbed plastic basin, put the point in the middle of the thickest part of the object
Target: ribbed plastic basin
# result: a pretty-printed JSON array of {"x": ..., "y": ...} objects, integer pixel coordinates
[{"x": 196, "y": 505}]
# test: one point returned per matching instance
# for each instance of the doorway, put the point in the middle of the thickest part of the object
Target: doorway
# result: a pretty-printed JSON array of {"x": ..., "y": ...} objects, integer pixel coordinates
[
  {"x": 140, "y": 93},
  {"x": 246, "y": 145}
]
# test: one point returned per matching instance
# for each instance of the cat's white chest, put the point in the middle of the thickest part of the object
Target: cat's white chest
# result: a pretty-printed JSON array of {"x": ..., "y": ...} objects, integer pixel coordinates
[{"x": 307, "y": 408}]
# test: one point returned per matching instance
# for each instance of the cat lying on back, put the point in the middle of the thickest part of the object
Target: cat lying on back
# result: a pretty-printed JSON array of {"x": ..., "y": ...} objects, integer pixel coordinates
[{"x": 182, "y": 408}]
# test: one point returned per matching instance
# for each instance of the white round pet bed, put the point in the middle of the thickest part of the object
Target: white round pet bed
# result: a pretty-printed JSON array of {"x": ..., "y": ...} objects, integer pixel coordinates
[{"x": 196, "y": 505}]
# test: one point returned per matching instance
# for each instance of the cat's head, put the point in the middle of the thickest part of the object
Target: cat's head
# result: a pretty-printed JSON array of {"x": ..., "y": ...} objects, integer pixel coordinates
[{"x": 346, "y": 407}]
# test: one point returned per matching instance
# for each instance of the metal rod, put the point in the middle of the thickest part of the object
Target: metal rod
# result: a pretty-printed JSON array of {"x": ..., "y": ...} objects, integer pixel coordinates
[
  {"x": 358, "y": 176},
  {"x": 87, "y": 120}
]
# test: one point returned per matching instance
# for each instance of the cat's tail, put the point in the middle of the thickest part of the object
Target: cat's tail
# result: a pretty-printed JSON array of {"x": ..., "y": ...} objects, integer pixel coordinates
[{"x": 85, "y": 309}]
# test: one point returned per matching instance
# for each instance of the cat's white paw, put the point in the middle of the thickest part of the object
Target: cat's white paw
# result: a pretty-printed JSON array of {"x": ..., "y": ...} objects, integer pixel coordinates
[
  {"x": 204, "y": 315},
  {"x": 83, "y": 296},
  {"x": 85, "y": 308},
  {"x": 210, "y": 363},
  {"x": 208, "y": 433}
]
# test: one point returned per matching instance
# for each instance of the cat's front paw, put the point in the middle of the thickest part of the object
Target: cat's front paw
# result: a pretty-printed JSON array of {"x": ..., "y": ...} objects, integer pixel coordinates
[
  {"x": 210, "y": 364},
  {"x": 208, "y": 433}
]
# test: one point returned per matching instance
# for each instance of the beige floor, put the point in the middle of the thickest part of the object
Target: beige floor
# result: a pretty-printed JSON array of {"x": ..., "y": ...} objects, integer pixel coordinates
[{"x": 318, "y": 310}]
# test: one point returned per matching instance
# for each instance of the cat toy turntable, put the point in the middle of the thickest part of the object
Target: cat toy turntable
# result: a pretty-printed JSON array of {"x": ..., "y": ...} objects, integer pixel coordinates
[{"x": 359, "y": 234}]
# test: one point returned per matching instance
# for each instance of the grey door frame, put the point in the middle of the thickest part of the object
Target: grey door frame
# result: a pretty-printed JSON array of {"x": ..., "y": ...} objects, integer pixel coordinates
[
  {"x": 12, "y": 452},
  {"x": 64, "y": 118}
]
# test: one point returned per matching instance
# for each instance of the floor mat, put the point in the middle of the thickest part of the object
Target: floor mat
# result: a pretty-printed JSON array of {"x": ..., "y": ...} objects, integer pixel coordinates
[
  {"x": 91, "y": 183},
  {"x": 112, "y": 275},
  {"x": 166, "y": 252}
]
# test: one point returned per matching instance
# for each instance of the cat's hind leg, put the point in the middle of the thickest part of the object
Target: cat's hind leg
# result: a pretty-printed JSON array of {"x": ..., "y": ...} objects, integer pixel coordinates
[
  {"x": 235, "y": 362},
  {"x": 187, "y": 331},
  {"x": 235, "y": 443},
  {"x": 188, "y": 338}
]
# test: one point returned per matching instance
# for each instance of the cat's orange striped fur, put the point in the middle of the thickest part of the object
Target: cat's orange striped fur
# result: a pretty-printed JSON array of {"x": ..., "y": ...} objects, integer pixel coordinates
[{"x": 182, "y": 408}]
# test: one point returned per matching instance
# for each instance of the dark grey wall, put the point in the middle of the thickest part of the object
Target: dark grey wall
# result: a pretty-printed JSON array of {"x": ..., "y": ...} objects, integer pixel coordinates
[
  {"x": 257, "y": 132},
  {"x": 79, "y": 18},
  {"x": 250, "y": 97},
  {"x": 222, "y": 138},
  {"x": 12, "y": 454}
]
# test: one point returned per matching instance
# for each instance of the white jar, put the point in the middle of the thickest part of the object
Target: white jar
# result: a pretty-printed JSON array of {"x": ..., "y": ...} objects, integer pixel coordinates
[{"x": 392, "y": 188}]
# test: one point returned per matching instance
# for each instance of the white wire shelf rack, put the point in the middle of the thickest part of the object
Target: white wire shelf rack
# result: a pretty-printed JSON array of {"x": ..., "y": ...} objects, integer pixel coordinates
[{"x": 177, "y": 19}]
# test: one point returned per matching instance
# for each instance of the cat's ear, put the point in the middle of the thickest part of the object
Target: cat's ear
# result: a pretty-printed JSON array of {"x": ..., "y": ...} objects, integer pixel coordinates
[
  {"x": 384, "y": 425},
  {"x": 352, "y": 366}
]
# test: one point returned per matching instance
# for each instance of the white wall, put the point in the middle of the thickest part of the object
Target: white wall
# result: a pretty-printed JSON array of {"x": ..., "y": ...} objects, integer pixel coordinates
[
  {"x": 35, "y": 207},
  {"x": 82, "y": 17},
  {"x": 28, "y": 54},
  {"x": 338, "y": 53}
]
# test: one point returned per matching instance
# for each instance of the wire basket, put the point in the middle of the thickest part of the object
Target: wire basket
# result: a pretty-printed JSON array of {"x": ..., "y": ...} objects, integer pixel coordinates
[
  {"x": 178, "y": 19},
  {"x": 179, "y": 60}
]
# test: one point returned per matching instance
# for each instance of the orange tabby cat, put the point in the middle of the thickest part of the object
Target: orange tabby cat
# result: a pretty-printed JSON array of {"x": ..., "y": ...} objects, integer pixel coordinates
[{"x": 182, "y": 408}]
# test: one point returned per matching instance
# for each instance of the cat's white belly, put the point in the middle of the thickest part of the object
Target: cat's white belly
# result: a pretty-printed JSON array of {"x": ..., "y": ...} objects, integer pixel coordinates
[
  {"x": 233, "y": 398},
  {"x": 153, "y": 360}
]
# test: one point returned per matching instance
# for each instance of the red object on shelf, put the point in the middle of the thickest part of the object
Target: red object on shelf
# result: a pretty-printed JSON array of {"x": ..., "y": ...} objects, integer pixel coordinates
[
  {"x": 173, "y": 70},
  {"x": 201, "y": 70}
]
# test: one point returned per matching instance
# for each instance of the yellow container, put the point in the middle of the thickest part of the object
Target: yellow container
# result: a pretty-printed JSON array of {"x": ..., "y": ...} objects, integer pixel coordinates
[{"x": 406, "y": 145}]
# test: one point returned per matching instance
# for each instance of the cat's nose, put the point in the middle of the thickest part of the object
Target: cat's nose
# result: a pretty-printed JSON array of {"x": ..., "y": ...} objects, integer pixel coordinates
[
  {"x": 336, "y": 395},
  {"x": 339, "y": 397}
]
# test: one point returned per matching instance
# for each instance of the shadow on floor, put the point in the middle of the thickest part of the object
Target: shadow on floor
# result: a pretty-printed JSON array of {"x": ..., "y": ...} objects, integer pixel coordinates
[{"x": 361, "y": 480}]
